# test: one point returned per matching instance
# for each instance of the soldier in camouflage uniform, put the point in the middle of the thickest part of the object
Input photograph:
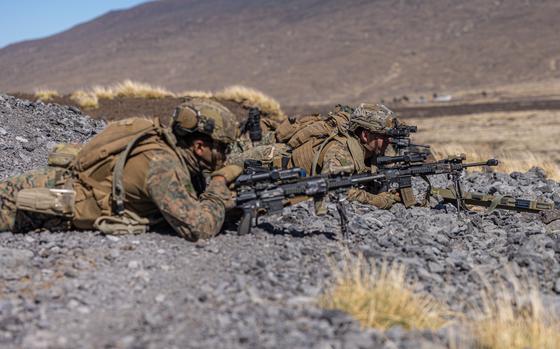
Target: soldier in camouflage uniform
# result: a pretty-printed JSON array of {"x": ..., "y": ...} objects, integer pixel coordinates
[
  {"x": 134, "y": 174},
  {"x": 347, "y": 138},
  {"x": 357, "y": 149}
]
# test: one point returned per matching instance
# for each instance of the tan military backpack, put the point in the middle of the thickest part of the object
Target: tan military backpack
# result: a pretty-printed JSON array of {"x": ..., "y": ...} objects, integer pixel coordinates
[
  {"x": 99, "y": 166},
  {"x": 308, "y": 135}
]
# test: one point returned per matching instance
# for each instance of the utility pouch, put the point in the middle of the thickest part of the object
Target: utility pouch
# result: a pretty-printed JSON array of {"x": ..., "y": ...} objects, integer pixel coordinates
[
  {"x": 56, "y": 202},
  {"x": 407, "y": 196},
  {"x": 63, "y": 154},
  {"x": 128, "y": 223}
]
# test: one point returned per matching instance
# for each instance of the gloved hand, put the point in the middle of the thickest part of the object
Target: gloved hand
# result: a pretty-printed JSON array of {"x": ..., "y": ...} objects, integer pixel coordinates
[{"x": 229, "y": 172}]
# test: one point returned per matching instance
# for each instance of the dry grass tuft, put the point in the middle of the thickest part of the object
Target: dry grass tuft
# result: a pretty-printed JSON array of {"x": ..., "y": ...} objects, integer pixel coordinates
[
  {"x": 520, "y": 161},
  {"x": 129, "y": 88},
  {"x": 196, "y": 94},
  {"x": 381, "y": 297},
  {"x": 103, "y": 92},
  {"x": 252, "y": 98},
  {"x": 515, "y": 318},
  {"x": 86, "y": 100},
  {"x": 46, "y": 94}
]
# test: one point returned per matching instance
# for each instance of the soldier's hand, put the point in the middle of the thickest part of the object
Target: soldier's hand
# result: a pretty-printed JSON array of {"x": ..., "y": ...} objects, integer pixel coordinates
[
  {"x": 396, "y": 196},
  {"x": 228, "y": 172}
]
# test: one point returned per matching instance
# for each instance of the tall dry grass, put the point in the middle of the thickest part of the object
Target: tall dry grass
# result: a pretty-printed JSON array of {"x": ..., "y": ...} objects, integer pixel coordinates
[
  {"x": 105, "y": 92},
  {"x": 85, "y": 99},
  {"x": 89, "y": 98},
  {"x": 512, "y": 316},
  {"x": 253, "y": 98},
  {"x": 129, "y": 88},
  {"x": 520, "y": 161},
  {"x": 381, "y": 297},
  {"x": 196, "y": 94},
  {"x": 46, "y": 95}
]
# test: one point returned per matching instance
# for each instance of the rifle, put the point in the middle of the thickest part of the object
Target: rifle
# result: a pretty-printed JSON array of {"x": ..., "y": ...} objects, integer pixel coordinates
[
  {"x": 269, "y": 191},
  {"x": 548, "y": 211}
]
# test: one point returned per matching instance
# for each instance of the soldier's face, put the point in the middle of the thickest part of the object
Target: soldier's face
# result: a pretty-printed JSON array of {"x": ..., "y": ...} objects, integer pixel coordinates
[
  {"x": 212, "y": 154},
  {"x": 375, "y": 144},
  {"x": 202, "y": 150}
]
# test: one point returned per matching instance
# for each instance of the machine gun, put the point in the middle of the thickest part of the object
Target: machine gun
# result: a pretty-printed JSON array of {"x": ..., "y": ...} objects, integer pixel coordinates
[
  {"x": 548, "y": 211},
  {"x": 270, "y": 191}
]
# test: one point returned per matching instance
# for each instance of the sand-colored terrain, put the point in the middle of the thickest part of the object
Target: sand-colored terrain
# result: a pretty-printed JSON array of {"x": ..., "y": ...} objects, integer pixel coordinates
[{"x": 525, "y": 137}]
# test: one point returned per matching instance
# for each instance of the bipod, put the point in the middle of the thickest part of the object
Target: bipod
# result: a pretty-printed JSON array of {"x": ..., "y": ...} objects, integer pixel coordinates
[
  {"x": 341, "y": 209},
  {"x": 460, "y": 203}
]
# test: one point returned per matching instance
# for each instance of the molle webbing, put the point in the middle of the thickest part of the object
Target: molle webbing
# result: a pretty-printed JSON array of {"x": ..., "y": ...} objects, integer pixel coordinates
[{"x": 302, "y": 156}]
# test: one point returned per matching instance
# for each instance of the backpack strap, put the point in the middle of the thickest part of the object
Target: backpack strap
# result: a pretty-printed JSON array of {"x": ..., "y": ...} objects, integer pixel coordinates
[
  {"x": 118, "y": 185},
  {"x": 318, "y": 153},
  {"x": 357, "y": 154}
]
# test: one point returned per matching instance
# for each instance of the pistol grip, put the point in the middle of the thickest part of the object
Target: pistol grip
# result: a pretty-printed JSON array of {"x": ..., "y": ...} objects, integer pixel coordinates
[{"x": 248, "y": 220}]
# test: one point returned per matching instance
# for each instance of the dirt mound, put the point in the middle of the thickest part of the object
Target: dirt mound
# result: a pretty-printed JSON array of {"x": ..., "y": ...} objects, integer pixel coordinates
[
  {"x": 120, "y": 107},
  {"x": 83, "y": 289}
]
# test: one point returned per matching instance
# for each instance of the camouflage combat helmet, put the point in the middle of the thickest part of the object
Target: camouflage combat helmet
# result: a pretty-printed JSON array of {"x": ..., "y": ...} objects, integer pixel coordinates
[
  {"x": 207, "y": 117},
  {"x": 372, "y": 117}
]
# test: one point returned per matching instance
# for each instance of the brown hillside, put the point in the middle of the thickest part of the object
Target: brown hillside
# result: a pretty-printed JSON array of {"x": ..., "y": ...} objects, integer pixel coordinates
[{"x": 300, "y": 51}]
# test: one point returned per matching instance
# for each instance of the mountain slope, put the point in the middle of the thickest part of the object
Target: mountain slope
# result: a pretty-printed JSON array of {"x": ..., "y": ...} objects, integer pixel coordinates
[{"x": 299, "y": 50}]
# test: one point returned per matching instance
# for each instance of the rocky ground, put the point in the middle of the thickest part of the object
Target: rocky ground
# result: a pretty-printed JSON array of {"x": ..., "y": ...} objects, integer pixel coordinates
[
  {"x": 29, "y": 129},
  {"x": 83, "y": 289}
]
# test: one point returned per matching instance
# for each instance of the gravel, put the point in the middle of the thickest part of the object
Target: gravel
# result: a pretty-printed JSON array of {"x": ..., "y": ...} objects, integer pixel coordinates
[
  {"x": 28, "y": 130},
  {"x": 83, "y": 289}
]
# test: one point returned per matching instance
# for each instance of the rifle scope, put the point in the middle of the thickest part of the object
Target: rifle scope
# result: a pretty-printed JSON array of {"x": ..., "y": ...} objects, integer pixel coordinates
[
  {"x": 408, "y": 158},
  {"x": 401, "y": 131},
  {"x": 253, "y": 125},
  {"x": 273, "y": 175}
]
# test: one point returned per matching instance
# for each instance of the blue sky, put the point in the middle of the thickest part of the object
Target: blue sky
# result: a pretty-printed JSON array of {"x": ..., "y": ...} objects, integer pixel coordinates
[{"x": 32, "y": 19}]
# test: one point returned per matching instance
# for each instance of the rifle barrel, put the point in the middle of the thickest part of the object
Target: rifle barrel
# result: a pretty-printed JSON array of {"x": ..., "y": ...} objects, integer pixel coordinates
[{"x": 490, "y": 162}]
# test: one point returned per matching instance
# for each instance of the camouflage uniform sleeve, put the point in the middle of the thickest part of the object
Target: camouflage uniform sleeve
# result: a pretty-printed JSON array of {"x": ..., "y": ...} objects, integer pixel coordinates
[
  {"x": 171, "y": 190},
  {"x": 336, "y": 154}
]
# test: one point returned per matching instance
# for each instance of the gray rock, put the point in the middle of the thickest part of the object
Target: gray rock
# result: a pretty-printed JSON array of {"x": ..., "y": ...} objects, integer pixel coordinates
[
  {"x": 15, "y": 263},
  {"x": 258, "y": 290},
  {"x": 557, "y": 286},
  {"x": 43, "y": 340}
]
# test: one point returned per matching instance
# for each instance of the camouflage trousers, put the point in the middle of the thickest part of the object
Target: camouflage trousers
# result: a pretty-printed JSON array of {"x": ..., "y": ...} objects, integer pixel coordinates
[{"x": 18, "y": 221}]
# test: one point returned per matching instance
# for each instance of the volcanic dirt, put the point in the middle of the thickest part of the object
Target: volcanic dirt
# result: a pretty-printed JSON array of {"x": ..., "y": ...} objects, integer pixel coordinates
[{"x": 84, "y": 289}]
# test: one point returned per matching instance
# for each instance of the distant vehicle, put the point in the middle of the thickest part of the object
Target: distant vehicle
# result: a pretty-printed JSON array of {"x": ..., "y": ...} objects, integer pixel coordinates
[{"x": 443, "y": 98}]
